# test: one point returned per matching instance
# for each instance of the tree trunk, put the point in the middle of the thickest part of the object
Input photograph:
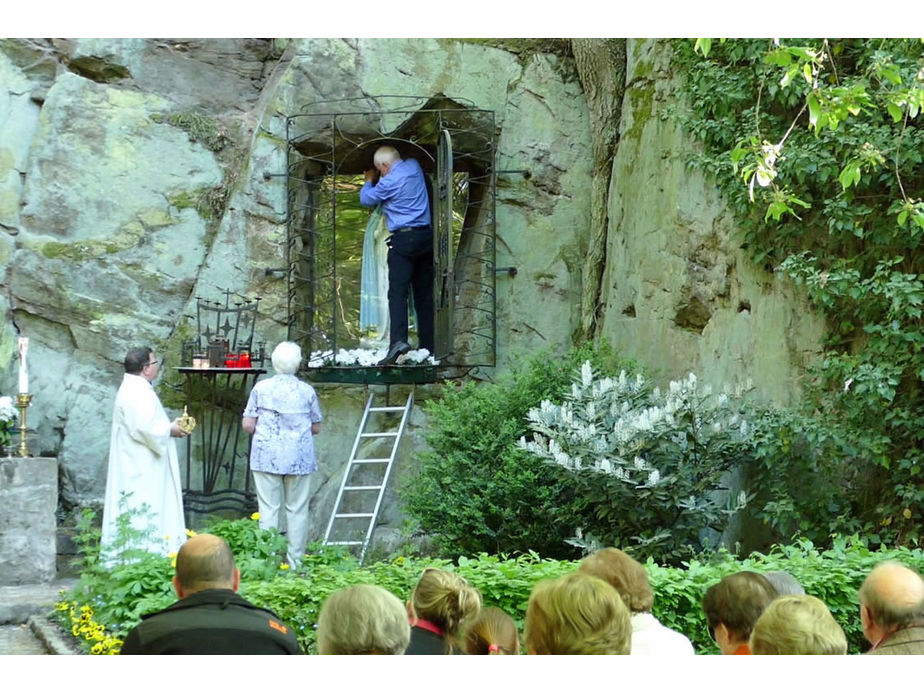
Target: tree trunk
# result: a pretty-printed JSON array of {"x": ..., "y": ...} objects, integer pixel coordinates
[{"x": 601, "y": 65}]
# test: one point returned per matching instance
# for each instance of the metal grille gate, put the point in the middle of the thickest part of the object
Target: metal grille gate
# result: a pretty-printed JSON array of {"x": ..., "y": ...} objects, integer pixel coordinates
[{"x": 335, "y": 140}]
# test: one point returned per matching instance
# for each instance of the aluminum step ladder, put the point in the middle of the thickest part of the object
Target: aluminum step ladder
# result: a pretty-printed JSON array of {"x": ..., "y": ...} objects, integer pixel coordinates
[{"x": 362, "y": 488}]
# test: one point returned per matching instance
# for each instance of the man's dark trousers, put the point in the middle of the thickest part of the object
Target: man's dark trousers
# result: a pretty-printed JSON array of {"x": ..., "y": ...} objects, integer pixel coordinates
[{"x": 410, "y": 264}]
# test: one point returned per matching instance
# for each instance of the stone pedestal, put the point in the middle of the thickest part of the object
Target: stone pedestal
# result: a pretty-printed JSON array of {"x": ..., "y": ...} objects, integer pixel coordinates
[{"x": 28, "y": 501}]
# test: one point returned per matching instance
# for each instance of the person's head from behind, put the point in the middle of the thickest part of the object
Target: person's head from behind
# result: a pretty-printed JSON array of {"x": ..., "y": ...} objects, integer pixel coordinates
[
  {"x": 444, "y": 599},
  {"x": 384, "y": 157},
  {"x": 623, "y": 572},
  {"x": 286, "y": 358},
  {"x": 733, "y": 605},
  {"x": 577, "y": 614},
  {"x": 205, "y": 562},
  {"x": 363, "y": 619},
  {"x": 784, "y": 583},
  {"x": 141, "y": 361},
  {"x": 891, "y": 598},
  {"x": 492, "y": 632},
  {"x": 797, "y": 625}
]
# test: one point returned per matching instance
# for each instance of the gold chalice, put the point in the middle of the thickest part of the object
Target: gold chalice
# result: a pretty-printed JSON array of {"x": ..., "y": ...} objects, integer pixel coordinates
[{"x": 187, "y": 423}]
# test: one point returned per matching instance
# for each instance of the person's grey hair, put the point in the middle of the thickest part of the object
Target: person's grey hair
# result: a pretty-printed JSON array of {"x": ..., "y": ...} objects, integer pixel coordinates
[
  {"x": 385, "y": 155},
  {"x": 286, "y": 357},
  {"x": 784, "y": 583},
  {"x": 363, "y": 619}
]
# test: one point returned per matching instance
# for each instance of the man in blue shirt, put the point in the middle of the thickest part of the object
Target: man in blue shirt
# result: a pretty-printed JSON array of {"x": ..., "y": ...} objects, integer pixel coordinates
[{"x": 401, "y": 189}]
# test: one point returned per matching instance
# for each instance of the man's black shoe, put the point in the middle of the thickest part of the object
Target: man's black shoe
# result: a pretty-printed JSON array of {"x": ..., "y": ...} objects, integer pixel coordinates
[{"x": 394, "y": 351}]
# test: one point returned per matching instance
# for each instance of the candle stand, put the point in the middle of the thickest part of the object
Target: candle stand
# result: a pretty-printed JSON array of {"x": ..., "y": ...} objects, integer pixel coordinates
[{"x": 23, "y": 399}]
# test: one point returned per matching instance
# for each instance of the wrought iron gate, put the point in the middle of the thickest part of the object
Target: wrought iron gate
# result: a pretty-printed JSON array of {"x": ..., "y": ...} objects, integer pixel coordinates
[{"x": 329, "y": 146}]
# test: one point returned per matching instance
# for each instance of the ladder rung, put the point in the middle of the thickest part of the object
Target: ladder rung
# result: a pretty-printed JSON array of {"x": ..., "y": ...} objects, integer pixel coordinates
[
  {"x": 386, "y": 409},
  {"x": 362, "y": 488},
  {"x": 353, "y": 515},
  {"x": 344, "y": 543},
  {"x": 371, "y": 460},
  {"x": 386, "y": 434}
]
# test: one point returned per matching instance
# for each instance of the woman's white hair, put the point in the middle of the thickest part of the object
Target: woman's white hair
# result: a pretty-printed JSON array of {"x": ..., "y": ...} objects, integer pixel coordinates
[
  {"x": 286, "y": 357},
  {"x": 385, "y": 155}
]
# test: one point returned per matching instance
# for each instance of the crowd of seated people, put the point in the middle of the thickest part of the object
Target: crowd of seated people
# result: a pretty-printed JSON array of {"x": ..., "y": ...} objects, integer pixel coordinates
[{"x": 604, "y": 607}]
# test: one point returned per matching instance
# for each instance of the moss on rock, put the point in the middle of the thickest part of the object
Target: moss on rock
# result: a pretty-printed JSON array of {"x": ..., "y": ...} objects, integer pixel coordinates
[{"x": 198, "y": 127}]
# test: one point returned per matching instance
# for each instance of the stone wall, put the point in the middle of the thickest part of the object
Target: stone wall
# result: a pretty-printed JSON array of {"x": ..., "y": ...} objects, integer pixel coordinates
[{"x": 28, "y": 533}]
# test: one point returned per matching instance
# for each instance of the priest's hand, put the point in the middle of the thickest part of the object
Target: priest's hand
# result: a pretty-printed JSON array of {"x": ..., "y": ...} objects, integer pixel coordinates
[{"x": 175, "y": 429}]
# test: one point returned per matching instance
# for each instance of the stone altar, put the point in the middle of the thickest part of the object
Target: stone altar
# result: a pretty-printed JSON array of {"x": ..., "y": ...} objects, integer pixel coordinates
[{"x": 28, "y": 530}]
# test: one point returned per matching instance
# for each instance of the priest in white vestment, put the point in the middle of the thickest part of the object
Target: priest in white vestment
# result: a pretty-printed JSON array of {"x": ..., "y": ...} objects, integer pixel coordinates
[{"x": 144, "y": 472}]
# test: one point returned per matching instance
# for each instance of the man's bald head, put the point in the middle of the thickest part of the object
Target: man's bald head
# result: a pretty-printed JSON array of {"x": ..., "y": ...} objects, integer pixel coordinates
[
  {"x": 205, "y": 562},
  {"x": 893, "y": 595}
]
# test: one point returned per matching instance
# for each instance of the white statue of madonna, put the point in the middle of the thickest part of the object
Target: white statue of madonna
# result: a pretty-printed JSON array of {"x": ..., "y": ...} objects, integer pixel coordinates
[
  {"x": 373, "y": 287},
  {"x": 373, "y": 296}
]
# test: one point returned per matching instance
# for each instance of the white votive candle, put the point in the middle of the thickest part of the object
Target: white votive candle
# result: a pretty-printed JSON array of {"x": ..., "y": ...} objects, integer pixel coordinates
[{"x": 23, "y": 370}]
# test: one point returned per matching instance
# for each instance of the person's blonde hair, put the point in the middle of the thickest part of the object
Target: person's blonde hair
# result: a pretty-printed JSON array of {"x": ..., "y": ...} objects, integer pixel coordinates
[
  {"x": 446, "y": 600},
  {"x": 577, "y": 614},
  {"x": 363, "y": 619},
  {"x": 492, "y": 632},
  {"x": 797, "y": 625},
  {"x": 623, "y": 572}
]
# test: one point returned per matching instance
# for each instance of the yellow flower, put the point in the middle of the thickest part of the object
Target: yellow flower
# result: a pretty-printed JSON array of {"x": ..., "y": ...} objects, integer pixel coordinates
[
  {"x": 907, "y": 513},
  {"x": 283, "y": 566},
  {"x": 190, "y": 533},
  {"x": 255, "y": 516}
]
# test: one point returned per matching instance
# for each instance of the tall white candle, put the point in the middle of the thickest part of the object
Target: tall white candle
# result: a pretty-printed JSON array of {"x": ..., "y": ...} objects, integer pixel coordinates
[{"x": 23, "y": 370}]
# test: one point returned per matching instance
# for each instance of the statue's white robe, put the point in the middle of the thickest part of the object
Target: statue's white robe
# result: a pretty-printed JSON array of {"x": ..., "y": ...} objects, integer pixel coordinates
[{"x": 143, "y": 463}]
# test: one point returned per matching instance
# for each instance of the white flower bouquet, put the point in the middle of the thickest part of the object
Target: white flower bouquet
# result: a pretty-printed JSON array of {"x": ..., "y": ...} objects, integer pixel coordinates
[{"x": 368, "y": 358}]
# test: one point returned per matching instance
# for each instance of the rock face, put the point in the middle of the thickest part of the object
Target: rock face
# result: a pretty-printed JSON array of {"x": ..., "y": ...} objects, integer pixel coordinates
[
  {"x": 136, "y": 175},
  {"x": 678, "y": 293}
]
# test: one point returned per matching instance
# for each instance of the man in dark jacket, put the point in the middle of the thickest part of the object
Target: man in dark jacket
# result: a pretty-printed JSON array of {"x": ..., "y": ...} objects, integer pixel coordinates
[{"x": 210, "y": 617}]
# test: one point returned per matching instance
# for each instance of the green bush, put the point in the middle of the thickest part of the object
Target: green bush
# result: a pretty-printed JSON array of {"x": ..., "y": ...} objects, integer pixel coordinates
[
  {"x": 475, "y": 491},
  {"x": 833, "y": 575},
  {"x": 139, "y": 582},
  {"x": 805, "y": 478}
]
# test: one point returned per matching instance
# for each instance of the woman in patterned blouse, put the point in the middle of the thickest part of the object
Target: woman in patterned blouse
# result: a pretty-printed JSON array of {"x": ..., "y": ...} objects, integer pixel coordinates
[{"x": 283, "y": 415}]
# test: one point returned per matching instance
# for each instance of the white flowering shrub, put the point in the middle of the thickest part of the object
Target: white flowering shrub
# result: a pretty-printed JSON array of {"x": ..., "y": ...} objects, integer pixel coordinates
[{"x": 649, "y": 465}]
